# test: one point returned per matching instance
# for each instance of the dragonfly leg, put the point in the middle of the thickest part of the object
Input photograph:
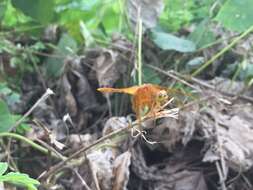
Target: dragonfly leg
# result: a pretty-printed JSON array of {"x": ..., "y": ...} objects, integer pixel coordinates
[
  {"x": 142, "y": 134},
  {"x": 133, "y": 129},
  {"x": 149, "y": 142}
]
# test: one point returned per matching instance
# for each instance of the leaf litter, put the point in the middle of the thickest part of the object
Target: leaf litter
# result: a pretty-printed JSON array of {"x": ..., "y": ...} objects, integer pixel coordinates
[{"x": 209, "y": 140}]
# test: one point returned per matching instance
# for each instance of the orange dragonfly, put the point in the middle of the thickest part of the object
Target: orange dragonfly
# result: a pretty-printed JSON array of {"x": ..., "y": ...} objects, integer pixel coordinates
[{"x": 146, "y": 99}]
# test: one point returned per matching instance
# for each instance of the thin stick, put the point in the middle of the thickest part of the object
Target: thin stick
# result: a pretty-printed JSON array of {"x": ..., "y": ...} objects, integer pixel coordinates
[
  {"x": 139, "y": 63},
  {"x": 56, "y": 153},
  {"x": 94, "y": 174},
  {"x": 220, "y": 53},
  {"x": 205, "y": 84},
  {"x": 61, "y": 164},
  {"x": 42, "y": 98},
  {"x": 82, "y": 180},
  {"x": 169, "y": 74},
  {"x": 58, "y": 166},
  {"x": 220, "y": 166},
  {"x": 183, "y": 79},
  {"x": 222, "y": 181}
]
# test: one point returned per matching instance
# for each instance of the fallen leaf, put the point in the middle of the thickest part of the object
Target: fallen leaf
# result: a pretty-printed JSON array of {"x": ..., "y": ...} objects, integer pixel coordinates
[
  {"x": 149, "y": 12},
  {"x": 108, "y": 68},
  {"x": 121, "y": 171}
]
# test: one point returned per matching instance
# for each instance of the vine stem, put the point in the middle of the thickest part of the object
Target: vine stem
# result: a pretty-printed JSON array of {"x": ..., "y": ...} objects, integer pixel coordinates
[
  {"x": 24, "y": 139},
  {"x": 28, "y": 141},
  {"x": 220, "y": 53},
  {"x": 139, "y": 63}
]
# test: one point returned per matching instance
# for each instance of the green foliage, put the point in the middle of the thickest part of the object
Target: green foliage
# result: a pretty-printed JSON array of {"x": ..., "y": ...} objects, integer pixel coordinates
[
  {"x": 150, "y": 76},
  {"x": 236, "y": 15},
  {"x": 3, "y": 7},
  {"x": 40, "y": 10},
  {"x": 6, "y": 118},
  {"x": 66, "y": 46},
  {"x": 194, "y": 63},
  {"x": 202, "y": 35},
  {"x": 242, "y": 71},
  {"x": 22, "y": 58},
  {"x": 180, "y": 13},
  {"x": 19, "y": 179},
  {"x": 176, "y": 14},
  {"x": 3, "y": 168},
  {"x": 10, "y": 96},
  {"x": 101, "y": 18},
  {"x": 11, "y": 17},
  {"x": 168, "y": 41}
]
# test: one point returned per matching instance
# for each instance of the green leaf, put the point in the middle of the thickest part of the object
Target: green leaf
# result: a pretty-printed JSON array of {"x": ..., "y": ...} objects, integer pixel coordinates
[
  {"x": 236, "y": 15},
  {"x": 20, "y": 179},
  {"x": 168, "y": 41},
  {"x": 66, "y": 46},
  {"x": 23, "y": 128},
  {"x": 4, "y": 90},
  {"x": 110, "y": 17},
  {"x": 3, "y": 168},
  {"x": 6, "y": 118},
  {"x": 150, "y": 76},
  {"x": 194, "y": 64},
  {"x": 86, "y": 5},
  {"x": 40, "y": 10},
  {"x": 3, "y": 7},
  {"x": 202, "y": 36},
  {"x": 89, "y": 40}
]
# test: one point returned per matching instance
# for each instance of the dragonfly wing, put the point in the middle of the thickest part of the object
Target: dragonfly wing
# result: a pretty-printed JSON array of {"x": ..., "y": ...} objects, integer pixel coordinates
[{"x": 130, "y": 90}]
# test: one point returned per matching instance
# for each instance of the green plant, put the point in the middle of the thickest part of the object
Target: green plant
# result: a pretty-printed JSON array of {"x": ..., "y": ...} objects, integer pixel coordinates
[
  {"x": 20, "y": 59},
  {"x": 7, "y": 119},
  {"x": 16, "y": 178}
]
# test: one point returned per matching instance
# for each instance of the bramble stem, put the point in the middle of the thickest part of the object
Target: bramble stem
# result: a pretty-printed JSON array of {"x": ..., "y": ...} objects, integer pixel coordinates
[{"x": 220, "y": 53}]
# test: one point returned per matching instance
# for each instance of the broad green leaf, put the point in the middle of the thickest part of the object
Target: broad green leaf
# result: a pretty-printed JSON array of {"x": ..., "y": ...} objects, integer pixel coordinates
[
  {"x": 3, "y": 168},
  {"x": 202, "y": 36},
  {"x": 150, "y": 76},
  {"x": 66, "y": 46},
  {"x": 110, "y": 18},
  {"x": 168, "y": 41},
  {"x": 40, "y": 10},
  {"x": 236, "y": 15},
  {"x": 6, "y": 118}
]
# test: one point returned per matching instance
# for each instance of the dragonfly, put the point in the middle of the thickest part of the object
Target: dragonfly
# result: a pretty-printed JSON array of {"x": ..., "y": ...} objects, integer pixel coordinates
[{"x": 147, "y": 99}]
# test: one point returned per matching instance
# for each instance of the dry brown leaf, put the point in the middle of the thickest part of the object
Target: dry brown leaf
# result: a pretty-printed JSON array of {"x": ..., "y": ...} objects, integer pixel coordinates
[
  {"x": 108, "y": 68},
  {"x": 121, "y": 171},
  {"x": 113, "y": 124},
  {"x": 189, "y": 180},
  {"x": 149, "y": 12},
  {"x": 102, "y": 167},
  {"x": 169, "y": 173},
  {"x": 69, "y": 99}
]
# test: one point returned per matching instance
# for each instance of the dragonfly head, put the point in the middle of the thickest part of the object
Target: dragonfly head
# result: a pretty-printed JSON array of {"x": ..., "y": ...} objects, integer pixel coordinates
[{"x": 162, "y": 96}]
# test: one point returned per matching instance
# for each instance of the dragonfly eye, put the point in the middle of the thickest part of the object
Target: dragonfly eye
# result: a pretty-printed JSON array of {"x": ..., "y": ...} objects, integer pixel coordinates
[{"x": 162, "y": 95}]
